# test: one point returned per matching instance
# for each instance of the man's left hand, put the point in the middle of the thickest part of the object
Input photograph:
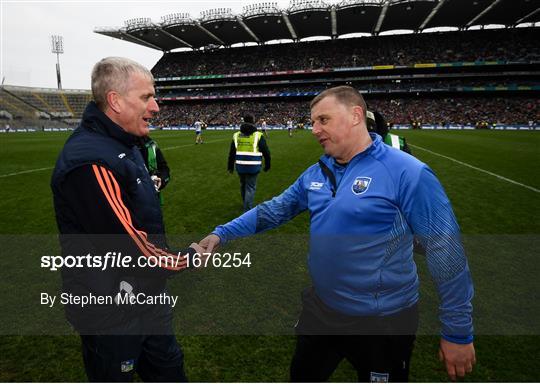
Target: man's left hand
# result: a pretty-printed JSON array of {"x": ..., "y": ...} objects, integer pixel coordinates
[{"x": 458, "y": 358}]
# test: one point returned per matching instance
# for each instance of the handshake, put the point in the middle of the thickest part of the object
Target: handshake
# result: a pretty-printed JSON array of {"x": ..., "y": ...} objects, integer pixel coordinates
[{"x": 206, "y": 246}]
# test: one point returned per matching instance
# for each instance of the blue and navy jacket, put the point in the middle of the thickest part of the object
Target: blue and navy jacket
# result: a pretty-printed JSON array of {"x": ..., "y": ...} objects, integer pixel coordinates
[
  {"x": 105, "y": 201},
  {"x": 364, "y": 217}
]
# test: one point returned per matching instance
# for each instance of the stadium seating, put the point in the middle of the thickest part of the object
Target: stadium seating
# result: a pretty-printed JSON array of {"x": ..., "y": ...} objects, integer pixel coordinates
[
  {"x": 432, "y": 78},
  {"x": 489, "y": 75},
  {"x": 448, "y": 110},
  {"x": 77, "y": 101},
  {"x": 485, "y": 45},
  {"x": 34, "y": 106},
  {"x": 17, "y": 108}
]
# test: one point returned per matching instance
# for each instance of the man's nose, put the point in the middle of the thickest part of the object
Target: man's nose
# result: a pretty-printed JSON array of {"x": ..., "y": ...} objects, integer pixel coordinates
[{"x": 153, "y": 106}]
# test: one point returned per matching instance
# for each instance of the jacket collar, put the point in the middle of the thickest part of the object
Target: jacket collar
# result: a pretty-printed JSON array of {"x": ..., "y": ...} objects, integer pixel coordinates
[{"x": 94, "y": 119}]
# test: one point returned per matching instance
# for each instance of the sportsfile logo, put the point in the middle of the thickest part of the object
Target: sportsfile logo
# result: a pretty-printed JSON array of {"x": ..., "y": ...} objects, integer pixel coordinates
[{"x": 315, "y": 185}]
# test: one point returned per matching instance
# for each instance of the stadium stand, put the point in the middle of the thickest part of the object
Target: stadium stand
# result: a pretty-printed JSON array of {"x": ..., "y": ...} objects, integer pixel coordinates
[
  {"x": 230, "y": 113},
  {"x": 395, "y": 86},
  {"x": 403, "y": 111},
  {"x": 461, "y": 77},
  {"x": 440, "y": 47},
  {"x": 414, "y": 79},
  {"x": 17, "y": 108},
  {"x": 424, "y": 77},
  {"x": 42, "y": 107}
]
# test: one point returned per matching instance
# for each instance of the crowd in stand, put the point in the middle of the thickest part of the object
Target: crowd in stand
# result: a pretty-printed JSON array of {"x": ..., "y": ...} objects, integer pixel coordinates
[
  {"x": 459, "y": 110},
  {"x": 482, "y": 45},
  {"x": 230, "y": 113},
  {"x": 379, "y": 86},
  {"x": 517, "y": 110}
]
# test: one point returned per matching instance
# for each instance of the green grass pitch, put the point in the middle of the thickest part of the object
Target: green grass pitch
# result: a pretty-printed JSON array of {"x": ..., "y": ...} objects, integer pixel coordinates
[{"x": 235, "y": 325}]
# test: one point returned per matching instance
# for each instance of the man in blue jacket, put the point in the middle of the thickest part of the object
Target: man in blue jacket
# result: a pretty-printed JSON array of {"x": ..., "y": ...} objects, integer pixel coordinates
[{"x": 367, "y": 201}]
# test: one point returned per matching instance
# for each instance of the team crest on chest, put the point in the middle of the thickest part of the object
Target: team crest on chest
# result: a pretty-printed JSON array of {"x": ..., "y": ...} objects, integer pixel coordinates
[{"x": 361, "y": 185}]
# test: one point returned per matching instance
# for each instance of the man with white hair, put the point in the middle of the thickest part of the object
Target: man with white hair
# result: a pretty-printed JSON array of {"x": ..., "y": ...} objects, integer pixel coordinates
[{"x": 106, "y": 204}]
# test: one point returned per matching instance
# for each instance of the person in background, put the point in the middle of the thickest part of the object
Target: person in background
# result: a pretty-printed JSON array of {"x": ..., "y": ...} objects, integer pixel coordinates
[
  {"x": 198, "y": 132},
  {"x": 156, "y": 164},
  {"x": 246, "y": 153},
  {"x": 290, "y": 127},
  {"x": 263, "y": 128},
  {"x": 376, "y": 123}
]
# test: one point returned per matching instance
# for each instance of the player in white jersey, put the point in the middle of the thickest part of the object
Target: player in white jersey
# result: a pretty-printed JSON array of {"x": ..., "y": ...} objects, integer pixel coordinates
[
  {"x": 290, "y": 127},
  {"x": 198, "y": 132},
  {"x": 263, "y": 128}
]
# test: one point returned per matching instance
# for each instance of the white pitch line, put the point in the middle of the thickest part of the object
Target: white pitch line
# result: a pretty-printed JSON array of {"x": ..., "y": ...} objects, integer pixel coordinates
[
  {"x": 191, "y": 145},
  {"x": 478, "y": 169},
  {"x": 47, "y": 168},
  {"x": 27, "y": 171}
]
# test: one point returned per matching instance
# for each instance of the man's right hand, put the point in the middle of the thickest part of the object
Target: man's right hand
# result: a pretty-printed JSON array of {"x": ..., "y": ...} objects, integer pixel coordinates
[
  {"x": 210, "y": 243},
  {"x": 201, "y": 253},
  {"x": 200, "y": 250}
]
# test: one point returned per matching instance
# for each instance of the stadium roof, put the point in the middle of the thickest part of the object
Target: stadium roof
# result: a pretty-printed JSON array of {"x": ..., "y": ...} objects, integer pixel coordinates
[{"x": 260, "y": 23}]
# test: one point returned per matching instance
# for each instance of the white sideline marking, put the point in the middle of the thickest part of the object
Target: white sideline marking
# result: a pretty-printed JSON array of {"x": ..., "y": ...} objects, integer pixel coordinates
[
  {"x": 478, "y": 169},
  {"x": 192, "y": 144},
  {"x": 27, "y": 171},
  {"x": 47, "y": 168}
]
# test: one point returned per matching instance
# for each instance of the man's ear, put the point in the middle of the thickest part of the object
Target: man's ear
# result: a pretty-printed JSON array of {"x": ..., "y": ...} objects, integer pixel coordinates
[
  {"x": 358, "y": 114},
  {"x": 113, "y": 101}
]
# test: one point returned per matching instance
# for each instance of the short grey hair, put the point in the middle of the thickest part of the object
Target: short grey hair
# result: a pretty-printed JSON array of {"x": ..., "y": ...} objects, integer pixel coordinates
[
  {"x": 344, "y": 94},
  {"x": 112, "y": 74}
]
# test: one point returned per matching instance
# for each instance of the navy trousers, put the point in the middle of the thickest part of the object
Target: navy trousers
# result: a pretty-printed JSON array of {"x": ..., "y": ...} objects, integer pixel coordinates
[
  {"x": 378, "y": 347},
  {"x": 115, "y": 358},
  {"x": 248, "y": 185}
]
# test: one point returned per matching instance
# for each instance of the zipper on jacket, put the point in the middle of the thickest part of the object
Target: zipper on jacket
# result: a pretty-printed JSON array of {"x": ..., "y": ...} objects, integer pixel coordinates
[{"x": 330, "y": 176}]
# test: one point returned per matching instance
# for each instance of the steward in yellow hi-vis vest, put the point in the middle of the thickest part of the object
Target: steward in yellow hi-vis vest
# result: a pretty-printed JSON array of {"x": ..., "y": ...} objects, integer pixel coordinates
[
  {"x": 248, "y": 148},
  {"x": 248, "y": 159},
  {"x": 375, "y": 123}
]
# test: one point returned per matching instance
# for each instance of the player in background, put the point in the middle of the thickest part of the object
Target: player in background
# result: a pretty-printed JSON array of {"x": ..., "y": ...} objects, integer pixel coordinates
[
  {"x": 263, "y": 128},
  {"x": 198, "y": 132},
  {"x": 290, "y": 127}
]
